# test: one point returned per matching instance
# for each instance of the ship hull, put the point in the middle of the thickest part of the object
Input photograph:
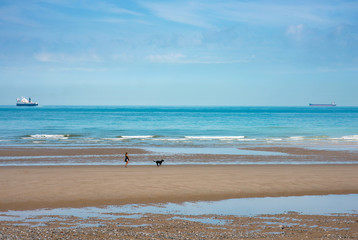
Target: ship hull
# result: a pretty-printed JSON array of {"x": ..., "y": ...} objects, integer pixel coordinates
[
  {"x": 322, "y": 105},
  {"x": 27, "y": 104}
]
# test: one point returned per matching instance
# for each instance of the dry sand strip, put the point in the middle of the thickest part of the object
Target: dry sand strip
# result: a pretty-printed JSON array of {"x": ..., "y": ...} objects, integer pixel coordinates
[{"x": 78, "y": 186}]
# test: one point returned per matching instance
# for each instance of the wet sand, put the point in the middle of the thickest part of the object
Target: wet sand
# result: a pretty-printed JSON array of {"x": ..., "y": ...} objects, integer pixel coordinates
[
  {"x": 79, "y": 186},
  {"x": 41, "y": 151},
  {"x": 15, "y": 156},
  {"x": 35, "y": 187}
]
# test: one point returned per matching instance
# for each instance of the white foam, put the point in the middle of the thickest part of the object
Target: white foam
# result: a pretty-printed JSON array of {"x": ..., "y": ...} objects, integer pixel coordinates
[
  {"x": 137, "y": 137},
  {"x": 247, "y": 139},
  {"x": 121, "y": 138},
  {"x": 296, "y": 138},
  {"x": 215, "y": 137},
  {"x": 113, "y": 139},
  {"x": 170, "y": 139},
  {"x": 46, "y": 136},
  {"x": 348, "y": 138},
  {"x": 351, "y": 137},
  {"x": 274, "y": 139}
]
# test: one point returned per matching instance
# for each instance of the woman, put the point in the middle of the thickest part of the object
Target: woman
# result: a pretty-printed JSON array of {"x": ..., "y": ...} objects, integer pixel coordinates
[{"x": 126, "y": 159}]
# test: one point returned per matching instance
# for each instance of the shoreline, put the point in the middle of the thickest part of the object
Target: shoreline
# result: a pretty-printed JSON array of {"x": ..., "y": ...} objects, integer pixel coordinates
[
  {"x": 69, "y": 156},
  {"x": 28, "y": 188}
]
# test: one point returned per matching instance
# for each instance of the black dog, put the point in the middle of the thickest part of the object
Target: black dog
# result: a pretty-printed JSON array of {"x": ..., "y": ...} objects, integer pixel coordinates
[{"x": 159, "y": 163}]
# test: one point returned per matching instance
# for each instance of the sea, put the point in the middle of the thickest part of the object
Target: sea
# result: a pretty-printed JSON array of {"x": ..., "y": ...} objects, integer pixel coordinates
[{"x": 178, "y": 126}]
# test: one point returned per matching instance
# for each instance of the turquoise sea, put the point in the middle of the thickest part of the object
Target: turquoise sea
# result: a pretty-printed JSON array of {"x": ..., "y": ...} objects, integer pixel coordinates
[{"x": 158, "y": 126}]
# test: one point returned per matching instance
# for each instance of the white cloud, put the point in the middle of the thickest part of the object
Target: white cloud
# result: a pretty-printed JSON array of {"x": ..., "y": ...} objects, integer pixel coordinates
[
  {"x": 183, "y": 59},
  {"x": 44, "y": 57},
  {"x": 122, "y": 57},
  {"x": 295, "y": 31},
  {"x": 166, "y": 58},
  {"x": 66, "y": 58},
  {"x": 79, "y": 69}
]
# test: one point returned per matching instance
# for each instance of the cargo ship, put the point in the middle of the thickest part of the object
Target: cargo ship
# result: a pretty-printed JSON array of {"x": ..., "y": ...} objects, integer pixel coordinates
[
  {"x": 322, "y": 104},
  {"x": 24, "y": 102}
]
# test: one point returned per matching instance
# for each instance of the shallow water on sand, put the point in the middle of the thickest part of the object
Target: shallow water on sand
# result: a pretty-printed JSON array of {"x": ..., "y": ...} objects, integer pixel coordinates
[{"x": 311, "y": 205}]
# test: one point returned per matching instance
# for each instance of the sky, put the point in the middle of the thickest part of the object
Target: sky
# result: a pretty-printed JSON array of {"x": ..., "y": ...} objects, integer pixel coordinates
[{"x": 196, "y": 52}]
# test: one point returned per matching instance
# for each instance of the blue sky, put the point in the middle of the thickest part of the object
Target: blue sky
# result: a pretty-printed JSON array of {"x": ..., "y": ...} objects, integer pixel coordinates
[{"x": 209, "y": 52}]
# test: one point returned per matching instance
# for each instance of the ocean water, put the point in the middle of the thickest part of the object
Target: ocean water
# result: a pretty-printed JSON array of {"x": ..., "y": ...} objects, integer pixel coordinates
[{"x": 208, "y": 127}]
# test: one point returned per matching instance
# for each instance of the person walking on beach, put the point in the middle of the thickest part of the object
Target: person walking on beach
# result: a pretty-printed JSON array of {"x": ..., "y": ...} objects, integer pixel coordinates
[{"x": 126, "y": 159}]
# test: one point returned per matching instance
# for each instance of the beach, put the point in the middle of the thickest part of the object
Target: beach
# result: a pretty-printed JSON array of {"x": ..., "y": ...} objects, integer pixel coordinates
[
  {"x": 45, "y": 179},
  {"x": 81, "y": 186},
  {"x": 228, "y": 173},
  {"x": 35, "y": 187}
]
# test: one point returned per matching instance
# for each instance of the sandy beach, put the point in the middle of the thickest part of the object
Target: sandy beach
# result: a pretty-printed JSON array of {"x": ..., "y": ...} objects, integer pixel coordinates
[
  {"x": 76, "y": 186},
  {"x": 79, "y": 186}
]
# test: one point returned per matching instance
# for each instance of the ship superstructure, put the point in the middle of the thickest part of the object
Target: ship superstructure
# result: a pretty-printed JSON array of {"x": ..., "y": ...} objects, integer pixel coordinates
[{"x": 24, "y": 102}]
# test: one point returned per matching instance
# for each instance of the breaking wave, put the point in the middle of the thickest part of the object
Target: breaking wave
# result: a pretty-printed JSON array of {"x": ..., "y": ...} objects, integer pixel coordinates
[
  {"x": 350, "y": 138},
  {"x": 137, "y": 137},
  {"x": 215, "y": 137},
  {"x": 46, "y": 136},
  {"x": 160, "y": 140}
]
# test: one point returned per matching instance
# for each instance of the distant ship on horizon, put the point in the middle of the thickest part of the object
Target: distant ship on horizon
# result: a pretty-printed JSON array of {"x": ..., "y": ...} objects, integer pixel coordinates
[
  {"x": 322, "y": 104},
  {"x": 24, "y": 102}
]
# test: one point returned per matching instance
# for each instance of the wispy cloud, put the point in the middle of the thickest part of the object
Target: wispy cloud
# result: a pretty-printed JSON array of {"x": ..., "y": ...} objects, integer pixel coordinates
[
  {"x": 122, "y": 57},
  {"x": 179, "y": 12},
  {"x": 179, "y": 58},
  {"x": 78, "y": 69},
  {"x": 14, "y": 15},
  {"x": 111, "y": 8},
  {"x": 66, "y": 58},
  {"x": 295, "y": 31},
  {"x": 113, "y": 20},
  {"x": 117, "y": 20},
  {"x": 166, "y": 58},
  {"x": 206, "y": 14}
]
